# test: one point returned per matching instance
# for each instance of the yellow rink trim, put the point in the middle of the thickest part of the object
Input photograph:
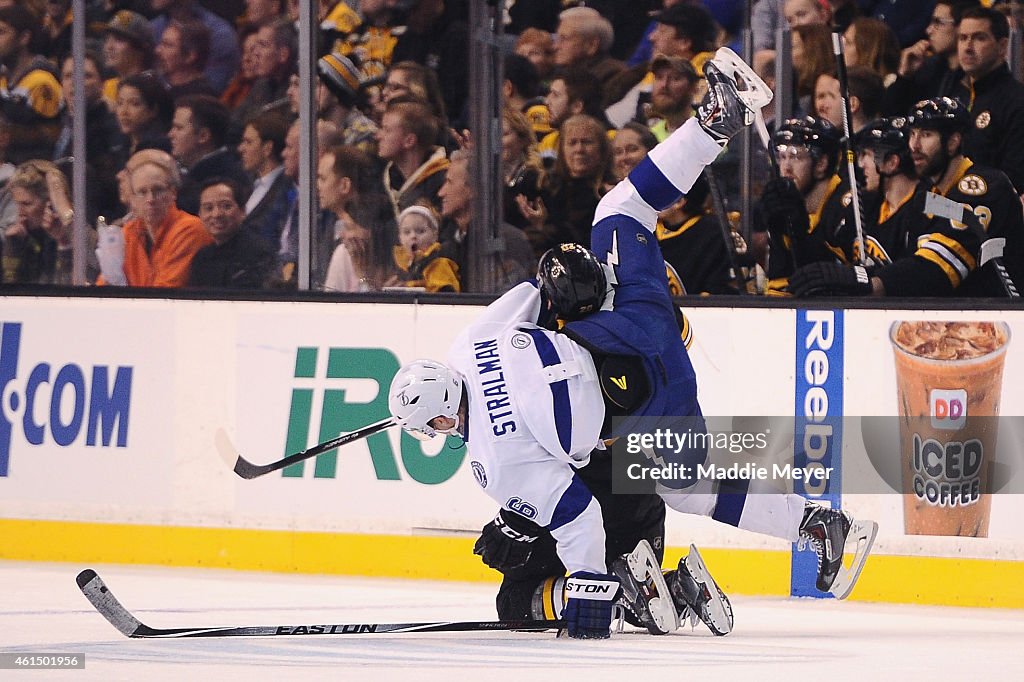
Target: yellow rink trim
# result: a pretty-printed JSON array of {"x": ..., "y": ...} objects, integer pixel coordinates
[{"x": 899, "y": 579}]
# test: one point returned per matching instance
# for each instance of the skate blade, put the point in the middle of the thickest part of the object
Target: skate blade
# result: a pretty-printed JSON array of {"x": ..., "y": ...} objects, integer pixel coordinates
[
  {"x": 716, "y": 607},
  {"x": 863, "y": 534},
  {"x": 753, "y": 91},
  {"x": 644, "y": 567}
]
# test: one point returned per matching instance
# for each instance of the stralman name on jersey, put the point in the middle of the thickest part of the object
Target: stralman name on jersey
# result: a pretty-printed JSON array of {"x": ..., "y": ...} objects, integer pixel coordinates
[{"x": 492, "y": 382}]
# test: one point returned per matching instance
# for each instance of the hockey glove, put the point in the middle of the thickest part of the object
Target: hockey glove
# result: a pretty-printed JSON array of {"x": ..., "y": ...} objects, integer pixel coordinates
[
  {"x": 783, "y": 208},
  {"x": 504, "y": 547},
  {"x": 588, "y": 607},
  {"x": 830, "y": 279}
]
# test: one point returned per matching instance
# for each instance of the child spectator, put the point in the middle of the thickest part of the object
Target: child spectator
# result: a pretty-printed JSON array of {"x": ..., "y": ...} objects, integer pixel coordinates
[{"x": 418, "y": 258}]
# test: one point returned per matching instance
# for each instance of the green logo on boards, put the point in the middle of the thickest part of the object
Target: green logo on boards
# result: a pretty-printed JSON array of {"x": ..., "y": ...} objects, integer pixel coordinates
[{"x": 339, "y": 416}]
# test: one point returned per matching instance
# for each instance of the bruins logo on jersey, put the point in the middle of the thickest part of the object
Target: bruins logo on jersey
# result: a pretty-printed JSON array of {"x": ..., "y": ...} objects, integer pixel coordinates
[
  {"x": 984, "y": 118},
  {"x": 972, "y": 185},
  {"x": 675, "y": 282},
  {"x": 874, "y": 250}
]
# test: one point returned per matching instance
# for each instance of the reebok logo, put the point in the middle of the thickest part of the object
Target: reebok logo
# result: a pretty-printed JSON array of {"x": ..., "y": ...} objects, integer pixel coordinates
[
  {"x": 619, "y": 381},
  {"x": 59, "y": 401}
]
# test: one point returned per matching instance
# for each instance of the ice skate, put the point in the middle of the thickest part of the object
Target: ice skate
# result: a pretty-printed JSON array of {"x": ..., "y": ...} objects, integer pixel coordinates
[
  {"x": 645, "y": 594},
  {"x": 698, "y": 596},
  {"x": 828, "y": 531},
  {"x": 735, "y": 93}
]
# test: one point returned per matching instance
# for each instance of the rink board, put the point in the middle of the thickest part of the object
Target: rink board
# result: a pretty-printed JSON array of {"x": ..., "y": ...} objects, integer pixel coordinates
[{"x": 106, "y": 442}]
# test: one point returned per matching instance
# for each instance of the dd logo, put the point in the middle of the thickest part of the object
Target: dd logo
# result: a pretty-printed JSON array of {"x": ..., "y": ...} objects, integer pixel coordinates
[{"x": 948, "y": 409}]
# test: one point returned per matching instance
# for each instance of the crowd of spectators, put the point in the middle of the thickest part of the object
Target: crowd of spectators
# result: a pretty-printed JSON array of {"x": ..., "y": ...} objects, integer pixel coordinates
[{"x": 193, "y": 142}]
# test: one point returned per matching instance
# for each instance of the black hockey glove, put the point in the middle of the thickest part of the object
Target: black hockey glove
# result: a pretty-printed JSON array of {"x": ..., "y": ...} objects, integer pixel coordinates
[
  {"x": 830, "y": 279},
  {"x": 504, "y": 547},
  {"x": 783, "y": 208}
]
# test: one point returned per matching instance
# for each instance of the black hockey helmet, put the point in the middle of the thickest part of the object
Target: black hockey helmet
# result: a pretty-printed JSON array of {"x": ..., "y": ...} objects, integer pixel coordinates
[
  {"x": 573, "y": 280},
  {"x": 817, "y": 134},
  {"x": 944, "y": 114},
  {"x": 886, "y": 136}
]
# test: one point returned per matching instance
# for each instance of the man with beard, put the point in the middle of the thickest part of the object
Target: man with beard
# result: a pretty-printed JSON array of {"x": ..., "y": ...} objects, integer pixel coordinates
[{"x": 675, "y": 81}]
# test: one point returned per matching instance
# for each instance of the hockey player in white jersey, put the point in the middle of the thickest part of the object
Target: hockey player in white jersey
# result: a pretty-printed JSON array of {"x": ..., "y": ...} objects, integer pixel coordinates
[{"x": 532, "y": 403}]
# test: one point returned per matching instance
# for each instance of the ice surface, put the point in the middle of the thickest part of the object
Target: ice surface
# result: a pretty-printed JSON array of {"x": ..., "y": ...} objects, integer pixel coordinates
[{"x": 42, "y": 610}]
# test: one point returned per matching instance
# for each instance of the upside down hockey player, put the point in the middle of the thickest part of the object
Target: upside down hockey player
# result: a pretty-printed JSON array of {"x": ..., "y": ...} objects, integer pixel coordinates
[{"x": 532, "y": 403}]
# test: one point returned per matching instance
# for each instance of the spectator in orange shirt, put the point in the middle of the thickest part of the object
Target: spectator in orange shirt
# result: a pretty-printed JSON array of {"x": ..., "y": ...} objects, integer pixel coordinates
[{"x": 160, "y": 240}]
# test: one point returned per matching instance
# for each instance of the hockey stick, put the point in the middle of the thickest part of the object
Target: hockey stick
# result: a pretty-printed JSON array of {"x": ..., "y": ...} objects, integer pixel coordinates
[
  {"x": 726, "y": 229},
  {"x": 762, "y": 131},
  {"x": 991, "y": 248},
  {"x": 104, "y": 601},
  {"x": 248, "y": 470},
  {"x": 844, "y": 94}
]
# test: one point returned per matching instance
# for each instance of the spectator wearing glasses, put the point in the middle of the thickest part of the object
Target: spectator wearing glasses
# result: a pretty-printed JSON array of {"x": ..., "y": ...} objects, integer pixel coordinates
[
  {"x": 931, "y": 66},
  {"x": 182, "y": 54},
  {"x": 161, "y": 240},
  {"x": 224, "y": 52}
]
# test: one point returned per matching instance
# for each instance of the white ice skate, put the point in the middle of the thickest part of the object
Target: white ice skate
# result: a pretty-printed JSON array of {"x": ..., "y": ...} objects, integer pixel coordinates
[
  {"x": 752, "y": 91},
  {"x": 862, "y": 534},
  {"x": 829, "y": 532},
  {"x": 698, "y": 596},
  {"x": 645, "y": 594}
]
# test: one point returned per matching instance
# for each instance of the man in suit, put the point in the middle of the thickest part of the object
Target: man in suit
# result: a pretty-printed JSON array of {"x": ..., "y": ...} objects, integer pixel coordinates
[
  {"x": 198, "y": 138},
  {"x": 260, "y": 149}
]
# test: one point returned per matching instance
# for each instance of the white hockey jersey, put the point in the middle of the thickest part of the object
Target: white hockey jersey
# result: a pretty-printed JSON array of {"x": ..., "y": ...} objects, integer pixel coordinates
[{"x": 535, "y": 414}]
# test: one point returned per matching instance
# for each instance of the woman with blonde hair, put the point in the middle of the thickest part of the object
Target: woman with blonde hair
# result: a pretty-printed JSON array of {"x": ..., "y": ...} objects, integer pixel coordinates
[
  {"x": 522, "y": 168},
  {"x": 581, "y": 176},
  {"x": 37, "y": 245}
]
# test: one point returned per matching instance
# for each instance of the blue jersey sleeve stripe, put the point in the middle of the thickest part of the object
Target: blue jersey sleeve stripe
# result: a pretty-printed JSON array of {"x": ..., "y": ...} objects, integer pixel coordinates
[
  {"x": 732, "y": 497},
  {"x": 652, "y": 185},
  {"x": 573, "y": 502},
  {"x": 559, "y": 389}
]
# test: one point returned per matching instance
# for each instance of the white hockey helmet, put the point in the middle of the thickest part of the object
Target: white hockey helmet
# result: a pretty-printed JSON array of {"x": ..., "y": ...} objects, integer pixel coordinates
[{"x": 421, "y": 391}]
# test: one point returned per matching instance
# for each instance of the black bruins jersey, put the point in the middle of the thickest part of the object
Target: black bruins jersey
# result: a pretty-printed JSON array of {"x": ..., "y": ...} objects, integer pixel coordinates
[
  {"x": 696, "y": 251},
  {"x": 831, "y": 237},
  {"x": 893, "y": 232},
  {"x": 944, "y": 260}
]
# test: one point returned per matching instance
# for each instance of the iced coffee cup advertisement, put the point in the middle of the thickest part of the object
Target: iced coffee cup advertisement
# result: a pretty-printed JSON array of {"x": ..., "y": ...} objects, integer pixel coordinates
[{"x": 939, "y": 399}]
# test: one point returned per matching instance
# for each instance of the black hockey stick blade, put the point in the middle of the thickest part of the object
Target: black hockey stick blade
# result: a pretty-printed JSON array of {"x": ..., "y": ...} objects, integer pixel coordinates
[
  {"x": 247, "y": 470},
  {"x": 104, "y": 601}
]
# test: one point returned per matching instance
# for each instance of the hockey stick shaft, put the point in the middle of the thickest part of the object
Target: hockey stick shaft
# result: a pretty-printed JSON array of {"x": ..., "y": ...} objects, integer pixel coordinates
[
  {"x": 726, "y": 229},
  {"x": 248, "y": 470},
  {"x": 762, "y": 131},
  {"x": 851, "y": 165},
  {"x": 104, "y": 601}
]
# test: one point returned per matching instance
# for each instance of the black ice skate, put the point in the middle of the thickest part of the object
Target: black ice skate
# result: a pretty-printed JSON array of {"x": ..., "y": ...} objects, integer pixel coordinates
[
  {"x": 734, "y": 94},
  {"x": 697, "y": 595},
  {"x": 645, "y": 598},
  {"x": 828, "y": 531}
]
